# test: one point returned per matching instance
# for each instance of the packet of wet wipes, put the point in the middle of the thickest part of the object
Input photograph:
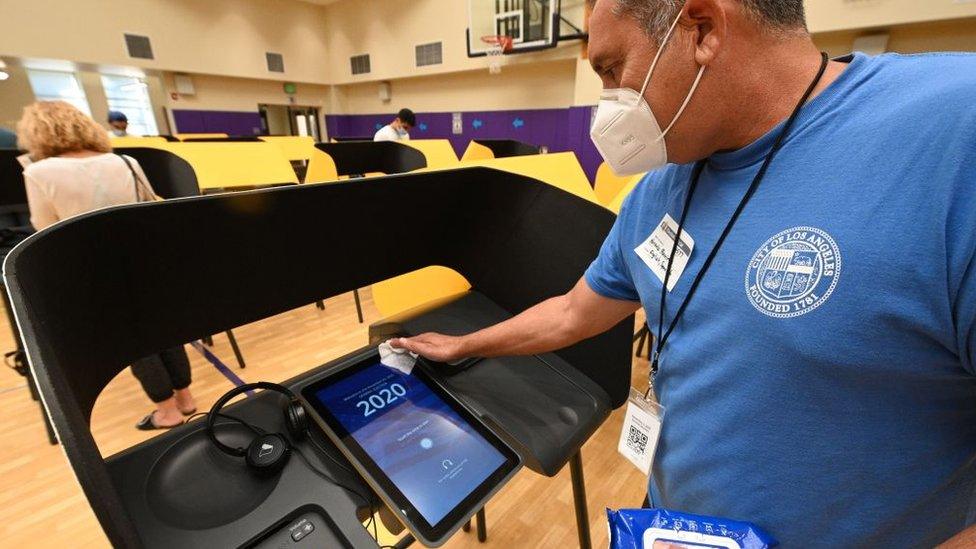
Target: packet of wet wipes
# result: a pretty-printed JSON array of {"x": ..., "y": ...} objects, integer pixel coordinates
[{"x": 664, "y": 529}]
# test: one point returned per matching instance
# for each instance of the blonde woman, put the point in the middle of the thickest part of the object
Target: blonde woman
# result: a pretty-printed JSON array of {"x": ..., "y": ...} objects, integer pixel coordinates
[{"x": 73, "y": 171}]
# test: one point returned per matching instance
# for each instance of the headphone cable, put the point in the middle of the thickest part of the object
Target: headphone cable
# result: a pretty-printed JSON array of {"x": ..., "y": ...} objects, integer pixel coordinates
[{"x": 314, "y": 469}]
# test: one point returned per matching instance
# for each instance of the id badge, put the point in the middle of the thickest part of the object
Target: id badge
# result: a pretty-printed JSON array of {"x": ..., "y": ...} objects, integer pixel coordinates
[{"x": 642, "y": 428}]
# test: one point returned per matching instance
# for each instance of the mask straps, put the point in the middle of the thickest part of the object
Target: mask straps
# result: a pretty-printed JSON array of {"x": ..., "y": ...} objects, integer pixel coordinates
[
  {"x": 660, "y": 50},
  {"x": 694, "y": 86},
  {"x": 691, "y": 92}
]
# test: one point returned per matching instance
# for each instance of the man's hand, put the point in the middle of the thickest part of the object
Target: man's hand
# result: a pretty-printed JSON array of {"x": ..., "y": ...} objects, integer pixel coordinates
[
  {"x": 437, "y": 347},
  {"x": 553, "y": 324}
]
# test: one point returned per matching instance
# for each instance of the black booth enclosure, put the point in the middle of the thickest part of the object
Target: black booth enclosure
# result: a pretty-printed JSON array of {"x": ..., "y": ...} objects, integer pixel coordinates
[
  {"x": 95, "y": 292},
  {"x": 504, "y": 148},
  {"x": 12, "y": 191},
  {"x": 360, "y": 157},
  {"x": 169, "y": 175}
]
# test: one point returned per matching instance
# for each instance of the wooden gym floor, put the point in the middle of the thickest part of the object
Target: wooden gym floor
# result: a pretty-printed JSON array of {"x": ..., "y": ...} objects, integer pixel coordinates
[{"x": 41, "y": 504}]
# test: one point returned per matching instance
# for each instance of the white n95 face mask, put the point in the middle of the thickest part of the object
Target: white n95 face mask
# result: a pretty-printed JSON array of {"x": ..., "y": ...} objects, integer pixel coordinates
[{"x": 625, "y": 130}]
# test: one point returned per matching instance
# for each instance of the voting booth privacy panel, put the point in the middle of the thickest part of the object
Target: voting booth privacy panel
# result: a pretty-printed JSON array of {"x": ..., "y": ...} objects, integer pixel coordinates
[
  {"x": 361, "y": 157},
  {"x": 169, "y": 175},
  {"x": 132, "y": 291}
]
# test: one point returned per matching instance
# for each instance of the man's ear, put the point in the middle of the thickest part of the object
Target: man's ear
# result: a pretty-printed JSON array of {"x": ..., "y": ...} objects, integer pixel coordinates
[{"x": 708, "y": 20}]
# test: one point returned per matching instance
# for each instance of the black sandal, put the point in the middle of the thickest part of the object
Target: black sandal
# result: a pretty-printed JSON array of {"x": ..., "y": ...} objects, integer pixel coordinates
[{"x": 147, "y": 424}]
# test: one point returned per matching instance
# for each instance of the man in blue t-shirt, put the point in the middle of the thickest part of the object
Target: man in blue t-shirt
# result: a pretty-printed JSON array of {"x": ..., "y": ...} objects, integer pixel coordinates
[{"x": 821, "y": 380}]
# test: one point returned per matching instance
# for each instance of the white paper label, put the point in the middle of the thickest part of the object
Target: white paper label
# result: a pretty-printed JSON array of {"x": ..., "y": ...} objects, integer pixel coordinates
[
  {"x": 676, "y": 539},
  {"x": 656, "y": 250},
  {"x": 638, "y": 439}
]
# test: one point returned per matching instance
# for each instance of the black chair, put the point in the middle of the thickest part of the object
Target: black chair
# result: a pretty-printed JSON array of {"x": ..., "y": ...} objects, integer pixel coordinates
[
  {"x": 360, "y": 157},
  {"x": 504, "y": 148},
  {"x": 134, "y": 268}
]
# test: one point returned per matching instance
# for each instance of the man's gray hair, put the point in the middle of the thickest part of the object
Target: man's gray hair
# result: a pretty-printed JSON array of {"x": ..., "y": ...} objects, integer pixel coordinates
[{"x": 656, "y": 16}]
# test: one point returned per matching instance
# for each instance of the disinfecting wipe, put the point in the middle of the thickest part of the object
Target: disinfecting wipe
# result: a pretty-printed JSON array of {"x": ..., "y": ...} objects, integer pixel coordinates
[
  {"x": 397, "y": 358},
  {"x": 657, "y": 528}
]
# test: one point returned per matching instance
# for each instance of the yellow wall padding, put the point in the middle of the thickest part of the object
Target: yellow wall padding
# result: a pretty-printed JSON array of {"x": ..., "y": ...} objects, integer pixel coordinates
[
  {"x": 321, "y": 168},
  {"x": 560, "y": 170},
  {"x": 618, "y": 201},
  {"x": 182, "y": 136},
  {"x": 235, "y": 164},
  {"x": 407, "y": 291},
  {"x": 439, "y": 152},
  {"x": 294, "y": 147},
  {"x": 476, "y": 151},
  {"x": 608, "y": 184},
  {"x": 129, "y": 141}
]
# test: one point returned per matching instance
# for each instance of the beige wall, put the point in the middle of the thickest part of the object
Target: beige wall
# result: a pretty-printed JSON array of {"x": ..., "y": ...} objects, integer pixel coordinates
[
  {"x": 389, "y": 31},
  {"x": 224, "y": 37},
  {"x": 15, "y": 94},
  {"x": 538, "y": 85},
  {"x": 955, "y": 35},
  {"x": 239, "y": 94},
  {"x": 833, "y": 15}
]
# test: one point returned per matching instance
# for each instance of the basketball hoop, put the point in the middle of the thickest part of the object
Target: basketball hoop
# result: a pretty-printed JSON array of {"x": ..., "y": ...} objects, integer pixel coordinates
[{"x": 498, "y": 45}]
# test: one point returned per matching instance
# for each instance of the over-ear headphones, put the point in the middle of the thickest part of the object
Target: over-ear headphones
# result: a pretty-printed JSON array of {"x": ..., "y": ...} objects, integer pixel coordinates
[{"x": 268, "y": 452}]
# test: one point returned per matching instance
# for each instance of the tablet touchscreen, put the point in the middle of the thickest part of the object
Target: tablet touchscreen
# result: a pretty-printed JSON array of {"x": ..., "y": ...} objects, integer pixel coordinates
[{"x": 428, "y": 448}]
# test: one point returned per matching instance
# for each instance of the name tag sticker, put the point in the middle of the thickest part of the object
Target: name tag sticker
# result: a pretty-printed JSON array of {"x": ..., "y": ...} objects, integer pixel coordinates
[
  {"x": 642, "y": 428},
  {"x": 656, "y": 250}
]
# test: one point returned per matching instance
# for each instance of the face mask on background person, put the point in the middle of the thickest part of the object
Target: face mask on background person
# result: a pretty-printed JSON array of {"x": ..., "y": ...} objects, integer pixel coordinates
[
  {"x": 625, "y": 130},
  {"x": 402, "y": 132}
]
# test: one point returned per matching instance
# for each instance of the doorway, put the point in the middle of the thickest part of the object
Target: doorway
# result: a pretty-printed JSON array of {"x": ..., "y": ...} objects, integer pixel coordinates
[{"x": 290, "y": 120}]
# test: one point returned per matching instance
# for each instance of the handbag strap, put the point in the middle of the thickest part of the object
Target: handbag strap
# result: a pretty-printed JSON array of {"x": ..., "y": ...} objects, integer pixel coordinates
[{"x": 135, "y": 177}]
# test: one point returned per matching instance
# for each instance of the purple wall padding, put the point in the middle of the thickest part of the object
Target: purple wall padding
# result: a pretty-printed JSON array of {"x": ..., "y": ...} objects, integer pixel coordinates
[
  {"x": 557, "y": 129},
  {"x": 232, "y": 123}
]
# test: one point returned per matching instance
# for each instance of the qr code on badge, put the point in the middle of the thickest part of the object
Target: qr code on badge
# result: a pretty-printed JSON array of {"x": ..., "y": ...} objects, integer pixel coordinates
[{"x": 637, "y": 440}]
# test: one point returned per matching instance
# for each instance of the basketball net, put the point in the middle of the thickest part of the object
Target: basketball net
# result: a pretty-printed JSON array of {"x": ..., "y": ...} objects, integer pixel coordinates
[{"x": 495, "y": 54}]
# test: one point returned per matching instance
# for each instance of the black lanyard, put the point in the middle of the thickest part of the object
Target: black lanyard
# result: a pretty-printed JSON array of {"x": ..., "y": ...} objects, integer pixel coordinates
[{"x": 662, "y": 336}]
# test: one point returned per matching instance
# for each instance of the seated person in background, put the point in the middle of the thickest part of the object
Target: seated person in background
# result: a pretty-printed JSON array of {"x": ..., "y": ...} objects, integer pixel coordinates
[
  {"x": 73, "y": 172},
  {"x": 119, "y": 125},
  {"x": 399, "y": 129}
]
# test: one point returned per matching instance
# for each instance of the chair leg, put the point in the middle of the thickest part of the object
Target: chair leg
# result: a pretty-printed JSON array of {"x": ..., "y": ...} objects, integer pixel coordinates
[
  {"x": 359, "y": 306},
  {"x": 579, "y": 501},
  {"x": 482, "y": 525},
  {"x": 642, "y": 339},
  {"x": 208, "y": 341},
  {"x": 467, "y": 526},
  {"x": 320, "y": 304},
  {"x": 237, "y": 350}
]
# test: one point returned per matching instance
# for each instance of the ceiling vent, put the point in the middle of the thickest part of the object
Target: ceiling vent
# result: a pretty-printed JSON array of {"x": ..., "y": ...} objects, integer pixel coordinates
[{"x": 138, "y": 46}]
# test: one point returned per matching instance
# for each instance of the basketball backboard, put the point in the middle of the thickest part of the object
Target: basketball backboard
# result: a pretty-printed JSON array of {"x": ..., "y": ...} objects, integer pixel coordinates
[{"x": 529, "y": 24}]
